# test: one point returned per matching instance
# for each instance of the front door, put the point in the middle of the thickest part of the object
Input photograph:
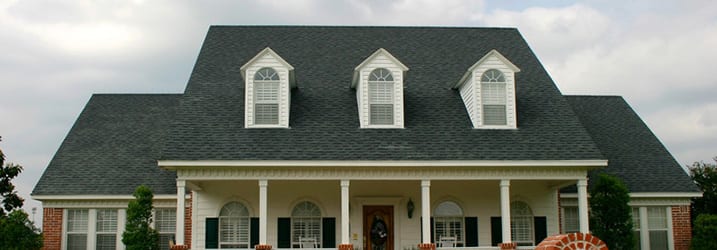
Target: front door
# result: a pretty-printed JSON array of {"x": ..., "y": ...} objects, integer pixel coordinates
[{"x": 378, "y": 227}]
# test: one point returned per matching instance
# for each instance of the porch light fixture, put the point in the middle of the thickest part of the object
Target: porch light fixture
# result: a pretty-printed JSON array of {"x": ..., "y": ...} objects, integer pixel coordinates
[{"x": 410, "y": 207}]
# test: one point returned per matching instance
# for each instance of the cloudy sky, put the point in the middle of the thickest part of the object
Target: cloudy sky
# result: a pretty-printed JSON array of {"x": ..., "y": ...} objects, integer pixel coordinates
[{"x": 54, "y": 55}]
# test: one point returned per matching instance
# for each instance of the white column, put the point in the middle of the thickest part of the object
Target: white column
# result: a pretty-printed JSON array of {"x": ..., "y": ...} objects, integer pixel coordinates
[
  {"x": 583, "y": 206},
  {"x": 345, "y": 212},
  {"x": 644, "y": 231},
  {"x": 505, "y": 210},
  {"x": 262, "y": 211},
  {"x": 91, "y": 228},
  {"x": 121, "y": 223},
  {"x": 426, "y": 210},
  {"x": 179, "y": 230}
]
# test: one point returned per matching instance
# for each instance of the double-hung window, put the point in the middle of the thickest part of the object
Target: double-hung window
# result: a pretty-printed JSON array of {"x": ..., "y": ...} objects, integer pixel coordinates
[
  {"x": 381, "y": 97},
  {"x": 306, "y": 225},
  {"x": 106, "y": 229},
  {"x": 651, "y": 227},
  {"x": 448, "y": 225},
  {"x": 234, "y": 226},
  {"x": 493, "y": 97},
  {"x": 165, "y": 223},
  {"x": 77, "y": 220},
  {"x": 266, "y": 97},
  {"x": 571, "y": 224},
  {"x": 521, "y": 223}
]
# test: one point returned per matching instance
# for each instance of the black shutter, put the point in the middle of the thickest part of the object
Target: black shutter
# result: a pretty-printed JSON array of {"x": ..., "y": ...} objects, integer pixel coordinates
[
  {"x": 211, "y": 233},
  {"x": 471, "y": 231},
  {"x": 283, "y": 232},
  {"x": 433, "y": 230},
  {"x": 254, "y": 232},
  {"x": 541, "y": 229},
  {"x": 328, "y": 231},
  {"x": 496, "y": 231}
]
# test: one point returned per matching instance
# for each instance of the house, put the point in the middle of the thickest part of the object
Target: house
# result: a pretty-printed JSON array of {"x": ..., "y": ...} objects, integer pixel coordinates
[{"x": 378, "y": 138}]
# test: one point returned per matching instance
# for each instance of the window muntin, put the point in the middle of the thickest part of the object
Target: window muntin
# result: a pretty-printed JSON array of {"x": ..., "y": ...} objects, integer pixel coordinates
[
  {"x": 493, "y": 97},
  {"x": 381, "y": 97},
  {"x": 306, "y": 225},
  {"x": 77, "y": 221},
  {"x": 448, "y": 224},
  {"x": 571, "y": 224},
  {"x": 234, "y": 226},
  {"x": 521, "y": 223},
  {"x": 165, "y": 223},
  {"x": 266, "y": 97},
  {"x": 106, "y": 229},
  {"x": 657, "y": 226}
]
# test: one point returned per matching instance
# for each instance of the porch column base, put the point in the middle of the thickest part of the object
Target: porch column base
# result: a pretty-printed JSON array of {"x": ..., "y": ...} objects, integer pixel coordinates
[
  {"x": 508, "y": 246},
  {"x": 179, "y": 247},
  {"x": 346, "y": 246},
  {"x": 427, "y": 246},
  {"x": 262, "y": 247}
]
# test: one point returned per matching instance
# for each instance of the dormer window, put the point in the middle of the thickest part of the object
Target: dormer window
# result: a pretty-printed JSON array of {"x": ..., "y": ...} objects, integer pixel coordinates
[
  {"x": 488, "y": 92},
  {"x": 268, "y": 80},
  {"x": 379, "y": 91},
  {"x": 266, "y": 97}
]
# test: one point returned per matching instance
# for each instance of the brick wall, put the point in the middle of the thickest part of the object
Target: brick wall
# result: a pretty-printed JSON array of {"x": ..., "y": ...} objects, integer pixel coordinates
[
  {"x": 52, "y": 228},
  {"x": 681, "y": 227},
  {"x": 188, "y": 222}
]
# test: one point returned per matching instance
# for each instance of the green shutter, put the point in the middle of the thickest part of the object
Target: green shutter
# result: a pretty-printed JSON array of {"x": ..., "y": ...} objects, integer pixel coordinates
[
  {"x": 283, "y": 232},
  {"x": 433, "y": 231},
  {"x": 471, "y": 231},
  {"x": 496, "y": 231},
  {"x": 541, "y": 229},
  {"x": 328, "y": 227},
  {"x": 211, "y": 235},
  {"x": 254, "y": 232}
]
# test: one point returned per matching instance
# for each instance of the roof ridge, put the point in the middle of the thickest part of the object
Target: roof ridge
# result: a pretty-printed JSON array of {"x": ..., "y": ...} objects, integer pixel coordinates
[
  {"x": 611, "y": 96},
  {"x": 355, "y": 26}
]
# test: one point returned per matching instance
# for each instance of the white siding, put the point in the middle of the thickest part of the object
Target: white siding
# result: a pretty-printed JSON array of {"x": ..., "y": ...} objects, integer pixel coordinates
[
  {"x": 468, "y": 93},
  {"x": 380, "y": 61},
  {"x": 268, "y": 60}
]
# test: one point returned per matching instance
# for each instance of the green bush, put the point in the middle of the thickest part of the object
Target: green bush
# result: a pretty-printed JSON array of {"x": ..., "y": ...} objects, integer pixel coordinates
[
  {"x": 138, "y": 235},
  {"x": 610, "y": 213},
  {"x": 705, "y": 231}
]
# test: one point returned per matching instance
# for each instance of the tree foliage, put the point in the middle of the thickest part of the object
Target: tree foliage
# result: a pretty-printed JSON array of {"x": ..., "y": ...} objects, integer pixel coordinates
[
  {"x": 138, "y": 235},
  {"x": 705, "y": 176},
  {"x": 705, "y": 230},
  {"x": 611, "y": 215},
  {"x": 16, "y": 231}
]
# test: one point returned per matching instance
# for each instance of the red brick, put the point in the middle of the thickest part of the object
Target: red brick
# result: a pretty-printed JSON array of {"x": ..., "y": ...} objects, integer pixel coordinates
[{"x": 52, "y": 225}]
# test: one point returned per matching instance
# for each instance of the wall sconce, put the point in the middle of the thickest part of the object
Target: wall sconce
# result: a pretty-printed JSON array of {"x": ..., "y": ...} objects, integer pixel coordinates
[{"x": 410, "y": 207}]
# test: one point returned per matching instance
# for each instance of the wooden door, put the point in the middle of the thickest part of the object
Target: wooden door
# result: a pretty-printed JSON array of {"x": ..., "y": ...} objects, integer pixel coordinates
[{"x": 378, "y": 227}]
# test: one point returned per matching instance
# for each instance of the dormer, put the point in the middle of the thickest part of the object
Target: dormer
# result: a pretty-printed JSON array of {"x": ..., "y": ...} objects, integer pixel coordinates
[
  {"x": 379, "y": 90},
  {"x": 488, "y": 91},
  {"x": 268, "y": 79}
]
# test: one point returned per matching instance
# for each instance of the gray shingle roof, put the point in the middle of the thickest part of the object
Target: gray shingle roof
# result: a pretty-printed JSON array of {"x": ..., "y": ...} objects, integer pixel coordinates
[
  {"x": 113, "y": 147},
  {"x": 324, "y": 119},
  {"x": 634, "y": 153}
]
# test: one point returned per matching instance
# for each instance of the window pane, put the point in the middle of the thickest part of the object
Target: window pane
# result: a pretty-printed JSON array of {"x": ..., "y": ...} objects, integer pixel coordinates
[
  {"x": 448, "y": 230},
  {"x": 106, "y": 242},
  {"x": 380, "y": 74},
  {"x": 266, "y": 114},
  {"x": 306, "y": 231},
  {"x": 107, "y": 221},
  {"x": 165, "y": 220},
  {"x": 636, "y": 218},
  {"x": 380, "y": 92},
  {"x": 266, "y": 91},
  {"x": 266, "y": 74},
  {"x": 448, "y": 208},
  {"x": 76, "y": 242},
  {"x": 381, "y": 114},
  {"x": 234, "y": 230},
  {"x": 77, "y": 220},
  {"x": 494, "y": 115},
  {"x": 493, "y": 93},
  {"x": 656, "y": 218},
  {"x": 570, "y": 220},
  {"x": 164, "y": 240},
  {"x": 521, "y": 223},
  {"x": 493, "y": 75},
  {"x": 658, "y": 240}
]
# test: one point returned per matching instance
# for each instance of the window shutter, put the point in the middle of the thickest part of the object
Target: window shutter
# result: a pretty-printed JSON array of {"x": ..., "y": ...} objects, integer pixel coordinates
[
  {"x": 253, "y": 232},
  {"x": 211, "y": 239},
  {"x": 328, "y": 238},
  {"x": 471, "y": 231},
  {"x": 496, "y": 231},
  {"x": 433, "y": 231},
  {"x": 541, "y": 229},
  {"x": 284, "y": 232}
]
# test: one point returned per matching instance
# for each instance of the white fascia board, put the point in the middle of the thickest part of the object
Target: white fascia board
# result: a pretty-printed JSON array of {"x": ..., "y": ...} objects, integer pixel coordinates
[
  {"x": 380, "y": 51},
  {"x": 479, "y": 62},
  {"x": 259, "y": 55},
  {"x": 285, "y": 163},
  {"x": 648, "y": 195},
  {"x": 98, "y": 197}
]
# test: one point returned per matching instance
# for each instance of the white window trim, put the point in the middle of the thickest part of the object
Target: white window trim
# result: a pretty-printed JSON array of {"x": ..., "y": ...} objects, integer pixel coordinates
[
  {"x": 286, "y": 82},
  {"x": 361, "y": 83}
]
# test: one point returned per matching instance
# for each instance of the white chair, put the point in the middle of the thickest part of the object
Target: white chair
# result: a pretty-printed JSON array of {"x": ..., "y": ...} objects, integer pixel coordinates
[
  {"x": 308, "y": 243},
  {"x": 446, "y": 241}
]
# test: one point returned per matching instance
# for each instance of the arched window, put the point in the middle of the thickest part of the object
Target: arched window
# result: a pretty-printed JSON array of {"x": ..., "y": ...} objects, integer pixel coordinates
[
  {"x": 493, "y": 97},
  {"x": 266, "y": 97},
  {"x": 521, "y": 223},
  {"x": 380, "y": 97},
  {"x": 234, "y": 226},
  {"x": 448, "y": 224},
  {"x": 306, "y": 225}
]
